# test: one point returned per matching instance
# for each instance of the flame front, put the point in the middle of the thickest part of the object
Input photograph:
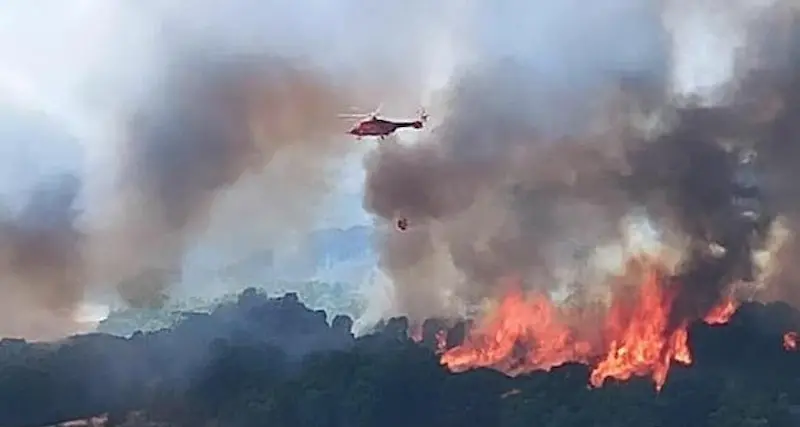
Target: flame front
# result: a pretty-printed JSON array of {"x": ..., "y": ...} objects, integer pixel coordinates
[
  {"x": 520, "y": 336},
  {"x": 640, "y": 342},
  {"x": 527, "y": 333}
]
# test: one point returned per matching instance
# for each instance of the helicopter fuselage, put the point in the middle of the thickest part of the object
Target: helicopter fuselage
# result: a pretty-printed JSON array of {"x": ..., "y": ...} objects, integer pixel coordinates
[{"x": 381, "y": 127}]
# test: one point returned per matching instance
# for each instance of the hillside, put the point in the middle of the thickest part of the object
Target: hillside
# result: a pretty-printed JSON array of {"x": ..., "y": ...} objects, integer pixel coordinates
[{"x": 262, "y": 359}]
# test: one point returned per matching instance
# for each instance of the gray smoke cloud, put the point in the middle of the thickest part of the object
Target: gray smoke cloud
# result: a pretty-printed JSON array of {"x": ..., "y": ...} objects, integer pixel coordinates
[
  {"x": 773, "y": 103},
  {"x": 491, "y": 194},
  {"x": 509, "y": 183},
  {"x": 531, "y": 173},
  {"x": 183, "y": 107},
  {"x": 41, "y": 261},
  {"x": 535, "y": 163},
  {"x": 211, "y": 123}
]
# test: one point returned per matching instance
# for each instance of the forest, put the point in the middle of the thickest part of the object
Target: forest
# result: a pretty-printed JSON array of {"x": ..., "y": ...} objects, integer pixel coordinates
[{"x": 272, "y": 361}]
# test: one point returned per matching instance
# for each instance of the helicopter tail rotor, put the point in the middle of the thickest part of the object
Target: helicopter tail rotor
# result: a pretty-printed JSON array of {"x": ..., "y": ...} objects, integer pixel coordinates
[{"x": 423, "y": 115}]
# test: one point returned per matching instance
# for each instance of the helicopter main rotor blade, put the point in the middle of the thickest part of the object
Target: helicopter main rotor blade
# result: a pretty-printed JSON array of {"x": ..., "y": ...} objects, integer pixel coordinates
[
  {"x": 354, "y": 115},
  {"x": 377, "y": 111}
]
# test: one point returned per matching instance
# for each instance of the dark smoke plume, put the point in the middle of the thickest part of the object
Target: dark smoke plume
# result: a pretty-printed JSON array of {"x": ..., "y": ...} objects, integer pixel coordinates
[
  {"x": 491, "y": 194},
  {"x": 774, "y": 95},
  {"x": 495, "y": 192}
]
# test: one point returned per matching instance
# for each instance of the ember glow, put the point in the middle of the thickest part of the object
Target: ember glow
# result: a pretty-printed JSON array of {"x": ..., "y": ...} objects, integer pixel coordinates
[
  {"x": 722, "y": 313},
  {"x": 441, "y": 342},
  {"x": 416, "y": 334},
  {"x": 529, "y": 332},
  {"x": 790, "y": 341}
]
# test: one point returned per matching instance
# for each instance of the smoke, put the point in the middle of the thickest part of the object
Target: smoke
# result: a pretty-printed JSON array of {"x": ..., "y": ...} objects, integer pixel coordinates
[
  {"x": 41, "y": 262},
  {"x": 509, "y": 183},
  {"x": 199, "y": 121},
  {"x": 202, "y": 121},
  {"x": 773, "y": 94},
  {"x": 534, "y": 173},
  {"x": 211, "y": 123}
]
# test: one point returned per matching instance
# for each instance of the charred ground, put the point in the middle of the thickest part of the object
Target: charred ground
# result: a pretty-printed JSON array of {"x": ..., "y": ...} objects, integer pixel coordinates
[{"x": 274, "y": 359}]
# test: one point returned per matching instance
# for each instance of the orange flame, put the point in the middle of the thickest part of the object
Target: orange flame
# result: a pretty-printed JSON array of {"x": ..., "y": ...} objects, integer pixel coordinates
[
  {"x": 722, "y": 313},
  {"x": 520, "y": 336},
  {"x": 415, "y": 333},
  {"x": 530, "y": 333},
  {"x": 640, "y": 341}
]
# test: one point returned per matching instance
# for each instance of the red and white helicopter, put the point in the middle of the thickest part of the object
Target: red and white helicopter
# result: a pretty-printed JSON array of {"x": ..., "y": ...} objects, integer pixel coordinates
[{"x": 371, "y": 124}]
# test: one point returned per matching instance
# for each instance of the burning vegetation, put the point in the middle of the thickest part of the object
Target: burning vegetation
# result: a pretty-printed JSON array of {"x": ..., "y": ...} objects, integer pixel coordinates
[
  {"x": 636, "y": 337},
  {"x": 260, "y": 358},
  {"x": 534, "y": 210}
]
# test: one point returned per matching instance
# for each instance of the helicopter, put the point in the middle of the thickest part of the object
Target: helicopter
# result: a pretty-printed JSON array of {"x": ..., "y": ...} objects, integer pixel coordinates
[{"x": 371, "y": 124}]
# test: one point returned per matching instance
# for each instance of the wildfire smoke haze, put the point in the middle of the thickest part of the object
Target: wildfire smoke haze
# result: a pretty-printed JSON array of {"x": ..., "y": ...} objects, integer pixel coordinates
[{"x": 204, "y": 134}]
